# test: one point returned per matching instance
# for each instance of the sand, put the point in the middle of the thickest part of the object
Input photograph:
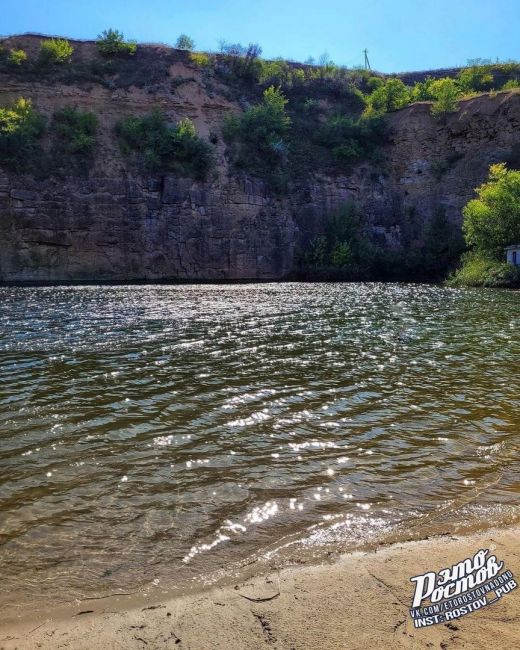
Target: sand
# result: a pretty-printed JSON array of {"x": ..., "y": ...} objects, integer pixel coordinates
[{"x": 359, "y": 601}]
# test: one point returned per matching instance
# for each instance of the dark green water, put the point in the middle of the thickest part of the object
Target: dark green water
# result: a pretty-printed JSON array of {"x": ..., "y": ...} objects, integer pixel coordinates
[{"x": 165, "y": 433}]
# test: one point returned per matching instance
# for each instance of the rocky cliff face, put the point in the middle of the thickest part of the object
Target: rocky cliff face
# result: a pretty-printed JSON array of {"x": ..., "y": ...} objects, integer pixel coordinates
[{"x": 116, "y": 225}]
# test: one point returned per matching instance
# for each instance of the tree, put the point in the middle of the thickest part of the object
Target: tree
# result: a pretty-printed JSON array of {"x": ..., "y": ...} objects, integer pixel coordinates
[
  {"x": 445, "y": 93},
  {"x": 112, "y": 43},
  {"x": 492, "y": 221},
  {"x": 185, "y": 43}
]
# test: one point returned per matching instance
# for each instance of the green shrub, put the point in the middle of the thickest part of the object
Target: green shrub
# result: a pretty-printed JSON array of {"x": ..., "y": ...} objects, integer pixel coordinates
[
  {"x": 442, "y": 246},
  {"x": 445, "y": 94},
  {"x": 200, "y": 59},
  {"x": 159, "y": 146},
  {"x": 511, "y": 84},
  {"x": 391, "y": 95},
  {"x": 277, "y": 72},
  {"x": 343, "y": 251},
  {"x": 111, "y": 42},
  {"x": 298, "y": 77},
  {"x": 373, "y": 83},
  {"x": 478, "y": 270},
  {"x": 75, "y": 132},
  {"x": 259, "y": 134},
  {"x": 55, "y": 51},
  {"x": 185, "y": 43},
  {"x": 421, "y": 92},
  {"x": 348, "y": 139},
  {"x": 17, "y": 57},
  {"x": 239, "y": 62},
  {"x": 476, "y": 78},
  {"x": 20, "y": 128}
]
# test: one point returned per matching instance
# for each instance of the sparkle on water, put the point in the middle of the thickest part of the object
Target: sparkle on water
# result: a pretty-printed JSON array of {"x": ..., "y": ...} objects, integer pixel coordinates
[{"x": 159, "y": 434}]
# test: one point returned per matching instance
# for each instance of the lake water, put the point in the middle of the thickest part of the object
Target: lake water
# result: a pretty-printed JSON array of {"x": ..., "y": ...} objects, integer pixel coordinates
[{"x": 157, "y": 436}]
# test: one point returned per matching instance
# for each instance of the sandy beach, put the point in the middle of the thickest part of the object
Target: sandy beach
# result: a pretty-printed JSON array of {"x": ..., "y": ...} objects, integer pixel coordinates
[{"x": 357, "y": 601}]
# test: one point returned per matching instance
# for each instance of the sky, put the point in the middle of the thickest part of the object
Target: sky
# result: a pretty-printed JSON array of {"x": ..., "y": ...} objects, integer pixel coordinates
[{"x": 400, "y": 35}]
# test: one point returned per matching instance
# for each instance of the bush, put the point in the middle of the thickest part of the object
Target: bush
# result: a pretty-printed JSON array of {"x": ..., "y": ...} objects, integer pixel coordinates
[
  {"x": 200, "y": 59},
  {"x": 349, "y": 140},
  {"x": 391, "y": 95},
  {"x": 276, "y": 72},
  {"x": 445, "y": 93},
  {"x": 511, "y": 84},
  {"x": 373, "y": 83},
  {"x": 75, "y": 132},
  {"x": 185, "y": 43},
  {"x": 159, "y": 146},
  {"x": 20, "y": 128},
  {"x": 476, "y": 78},
  {"x": 240, "y": 62},
  {"x": 259, "y": 134},
  {"x": 111, "y": 42},
  {"x": 55, "y": 51},
  {"x": 421, "y": 92},
  {"x": 442, "y": 246},
  {"x": 344, "y": 251},
  {"x": 17, "y": 57},
  {"x": 478, "y": 270}
]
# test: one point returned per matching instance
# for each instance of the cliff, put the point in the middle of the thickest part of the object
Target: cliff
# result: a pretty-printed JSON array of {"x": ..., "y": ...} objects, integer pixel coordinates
[{"x": 117, "y": 224}]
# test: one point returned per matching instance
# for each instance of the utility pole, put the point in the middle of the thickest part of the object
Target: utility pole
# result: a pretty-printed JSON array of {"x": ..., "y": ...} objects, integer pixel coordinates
[{"x": 367, "y": 62}]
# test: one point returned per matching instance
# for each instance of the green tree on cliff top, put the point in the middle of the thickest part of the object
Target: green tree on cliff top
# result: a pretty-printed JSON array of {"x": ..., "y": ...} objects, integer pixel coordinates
[
  {"x": 111, "y": 42},
  {"x": 185, "y": 43}
]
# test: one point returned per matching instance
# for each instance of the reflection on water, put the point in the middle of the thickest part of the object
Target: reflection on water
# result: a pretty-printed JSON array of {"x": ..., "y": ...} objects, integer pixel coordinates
[{"x": 165, "y": 432}]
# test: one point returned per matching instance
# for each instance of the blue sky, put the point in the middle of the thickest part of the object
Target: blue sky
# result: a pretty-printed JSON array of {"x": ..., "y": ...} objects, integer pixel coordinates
[{"x": 399, "y": 34}]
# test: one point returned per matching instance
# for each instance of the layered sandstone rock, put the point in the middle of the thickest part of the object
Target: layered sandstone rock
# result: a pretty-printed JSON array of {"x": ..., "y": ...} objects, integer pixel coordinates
[{"x": 117, "y": 225}]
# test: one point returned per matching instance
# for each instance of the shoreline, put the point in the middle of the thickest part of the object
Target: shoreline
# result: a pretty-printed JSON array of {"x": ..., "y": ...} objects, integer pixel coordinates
[
  {"x": 361, "y": 600},
  {"x": 51, "y": 284}
]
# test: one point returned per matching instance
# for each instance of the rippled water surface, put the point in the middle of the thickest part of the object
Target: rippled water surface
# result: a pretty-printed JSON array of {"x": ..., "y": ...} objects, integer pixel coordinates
[{"x": 157, "y": 434}]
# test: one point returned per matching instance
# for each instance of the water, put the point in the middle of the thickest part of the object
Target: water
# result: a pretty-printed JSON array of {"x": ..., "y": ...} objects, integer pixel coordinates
[{"x": 158, "y": 435}]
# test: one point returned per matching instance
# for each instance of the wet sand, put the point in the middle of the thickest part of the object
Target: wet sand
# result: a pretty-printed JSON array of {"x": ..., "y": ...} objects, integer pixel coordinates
[{"x": 356, "y": 601}]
